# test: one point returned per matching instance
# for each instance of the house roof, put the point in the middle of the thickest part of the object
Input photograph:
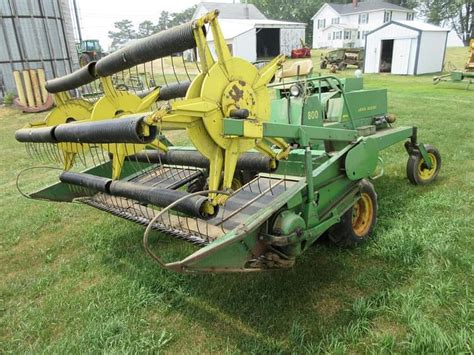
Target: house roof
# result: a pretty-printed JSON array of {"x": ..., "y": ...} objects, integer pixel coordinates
[
  {"x": 414, "y": 25},
  {"x": 423, "y": 26},
  {"x": 234, "y": 11},
  {"x": 365, "y": 6},
  {"x": 233, "y": 28}
]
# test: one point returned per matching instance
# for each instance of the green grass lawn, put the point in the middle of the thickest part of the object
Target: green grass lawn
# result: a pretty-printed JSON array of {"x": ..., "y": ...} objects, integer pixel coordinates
[{"x": 78, "y": 280}]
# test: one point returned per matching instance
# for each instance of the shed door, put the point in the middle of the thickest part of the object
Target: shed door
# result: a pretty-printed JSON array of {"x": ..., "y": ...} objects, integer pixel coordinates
[{"x": 401, "y": 56}]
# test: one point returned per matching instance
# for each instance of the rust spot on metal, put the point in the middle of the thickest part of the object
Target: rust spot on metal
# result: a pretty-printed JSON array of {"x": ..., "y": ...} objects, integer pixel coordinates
[
  {"x": 236, "y": 93},
  {"x": 243, "y": 83}
]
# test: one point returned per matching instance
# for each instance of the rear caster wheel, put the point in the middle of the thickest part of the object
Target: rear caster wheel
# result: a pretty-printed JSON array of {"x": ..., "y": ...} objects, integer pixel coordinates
[
  {"x": 417, "y": 171},
  {"x": 357, "y": 223}
]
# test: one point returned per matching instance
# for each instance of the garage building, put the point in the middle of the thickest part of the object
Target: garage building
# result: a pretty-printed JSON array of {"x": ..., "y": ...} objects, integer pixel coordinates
[{"x": 405, "y": 48}]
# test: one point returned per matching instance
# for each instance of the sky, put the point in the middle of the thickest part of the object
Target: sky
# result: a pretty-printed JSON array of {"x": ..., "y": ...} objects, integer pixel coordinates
[{"x": 98, "y": 16}]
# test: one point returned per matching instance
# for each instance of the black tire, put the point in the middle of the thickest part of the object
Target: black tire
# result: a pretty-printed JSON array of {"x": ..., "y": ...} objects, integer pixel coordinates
[
  {"x": 417, "y": 172},
  {"x": 84, "y": 59},
  {"x": 357, "y": 223}
]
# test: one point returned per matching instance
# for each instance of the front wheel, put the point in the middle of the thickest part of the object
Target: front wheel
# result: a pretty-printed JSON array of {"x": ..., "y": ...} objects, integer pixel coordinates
[
  {"x": 418, "y": 172},
  {"x": 357, "y": 223}
]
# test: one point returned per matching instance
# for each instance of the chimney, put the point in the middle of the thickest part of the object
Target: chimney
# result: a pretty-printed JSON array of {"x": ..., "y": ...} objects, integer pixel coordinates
[{"x": 354, "y": 3}]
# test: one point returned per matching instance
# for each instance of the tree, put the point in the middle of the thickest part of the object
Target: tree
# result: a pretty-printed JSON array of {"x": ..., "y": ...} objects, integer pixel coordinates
[
  {"x": 178, "y": 18},
  {"x": 163, "y": 21},
  {"x": 124, "y": 33},
  {"x": 411, "y": 4},
  {"x": 145, "y": 29},
  {"x": 457, "y": 13},
  {"x": 291, "y": 10}
]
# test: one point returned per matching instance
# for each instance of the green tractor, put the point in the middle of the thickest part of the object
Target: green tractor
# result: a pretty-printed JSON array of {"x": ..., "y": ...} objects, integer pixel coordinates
[{"x": 89, "y": 50}]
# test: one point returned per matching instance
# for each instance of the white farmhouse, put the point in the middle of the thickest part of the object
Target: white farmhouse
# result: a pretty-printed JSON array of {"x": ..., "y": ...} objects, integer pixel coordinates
[
  {"x": 250, "y": 34},
  {"x": 346, "y": 25}
]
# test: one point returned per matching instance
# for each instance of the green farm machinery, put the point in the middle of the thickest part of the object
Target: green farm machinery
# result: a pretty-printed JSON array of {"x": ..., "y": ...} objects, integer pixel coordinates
[
  {"x": 340, "y": 58},
  {"x": 89, "y": 50},
  {"x": 456, "y": 76},
  {"x": 267, "y": 170},
  {"x": 459, "y": 76}
]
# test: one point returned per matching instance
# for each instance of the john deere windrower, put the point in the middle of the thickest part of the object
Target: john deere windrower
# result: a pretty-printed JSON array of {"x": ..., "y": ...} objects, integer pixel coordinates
[{"x": 278, "y": 156}]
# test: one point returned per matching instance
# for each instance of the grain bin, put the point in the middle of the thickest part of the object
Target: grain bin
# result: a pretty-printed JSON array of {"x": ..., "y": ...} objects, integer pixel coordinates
[{"x": 35, "y": 34}]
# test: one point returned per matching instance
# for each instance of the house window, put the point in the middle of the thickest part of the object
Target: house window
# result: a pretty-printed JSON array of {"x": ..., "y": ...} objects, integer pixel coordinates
[
  {"x": 335, "y": 20},
  {"x": 364, "y": 33},
  {"x": 322, "y": 23},
  {"x": 329, "y": 36},
  {"x": 358, "y": 34},
  {"x": 410, "y": 16},
  {"x": 338, "y": 35},
  {"x": 363, "y": 18},
  {"x": 387, "y": 16},
  {"x": 347, "y": 34}
]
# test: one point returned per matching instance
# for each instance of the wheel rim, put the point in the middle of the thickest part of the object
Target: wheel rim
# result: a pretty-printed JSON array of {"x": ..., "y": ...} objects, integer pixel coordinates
[
  {"x": 362, "y": 215},
  {"x": 423, "y": 171}
]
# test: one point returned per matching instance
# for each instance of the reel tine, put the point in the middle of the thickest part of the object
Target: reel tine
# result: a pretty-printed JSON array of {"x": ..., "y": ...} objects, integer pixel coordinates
[
  {"x": 38, "y": 151},
  {"x": 57, "y": 153},
  {"x": 35, "y": 152},
  {"x": 135, "y": 167},
  {"x": 174, "y": 69},
  {"x": 185, "y": 67},
  {"x": 152, "y": 70},
  {"x": 28, "y": 149},
  {"x": 221, "y": 222},
  {"x": 139, "y": 80},
  {"x": 197, "y": 65},
  {"x": 163, "y": 72},
  {"x": 49, "y": 152},
  {"x": 129, "y": 81},
  {"x": 146, "y": 86},
  {"x": 82, "y": 156}
]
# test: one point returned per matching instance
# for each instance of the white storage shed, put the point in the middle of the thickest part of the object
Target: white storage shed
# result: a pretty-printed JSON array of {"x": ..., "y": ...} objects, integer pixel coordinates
[
  {"x": 260, "y": 39},
  {"x": 405, "y": 48},
  {"x": 249, "y": 34}
]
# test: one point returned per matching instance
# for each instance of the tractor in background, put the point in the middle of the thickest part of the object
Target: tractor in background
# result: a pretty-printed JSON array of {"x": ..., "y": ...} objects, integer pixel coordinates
[{"x": 88, "y": 51}]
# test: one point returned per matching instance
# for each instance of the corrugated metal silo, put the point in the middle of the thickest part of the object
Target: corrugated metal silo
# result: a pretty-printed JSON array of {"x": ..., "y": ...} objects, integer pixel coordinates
[{"x": 35, "y": 34}]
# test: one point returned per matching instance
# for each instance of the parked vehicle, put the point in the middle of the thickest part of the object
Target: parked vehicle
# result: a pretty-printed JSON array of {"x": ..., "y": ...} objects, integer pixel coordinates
[
  {"x": 342, "y": 57},
  {"x": 88, "y": 51},
  {"x": 303, "y": 52}
]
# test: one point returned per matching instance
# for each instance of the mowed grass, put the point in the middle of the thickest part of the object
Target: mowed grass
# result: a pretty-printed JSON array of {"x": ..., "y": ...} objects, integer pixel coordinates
[{"x": 78, "y": 280}]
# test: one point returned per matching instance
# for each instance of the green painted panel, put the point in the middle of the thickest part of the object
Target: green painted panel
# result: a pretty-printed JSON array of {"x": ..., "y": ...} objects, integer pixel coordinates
[
  {"x": 353, "y": 84},
  {"x": 366, "y": 103},
  {"x": 361, "y": 160}
]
